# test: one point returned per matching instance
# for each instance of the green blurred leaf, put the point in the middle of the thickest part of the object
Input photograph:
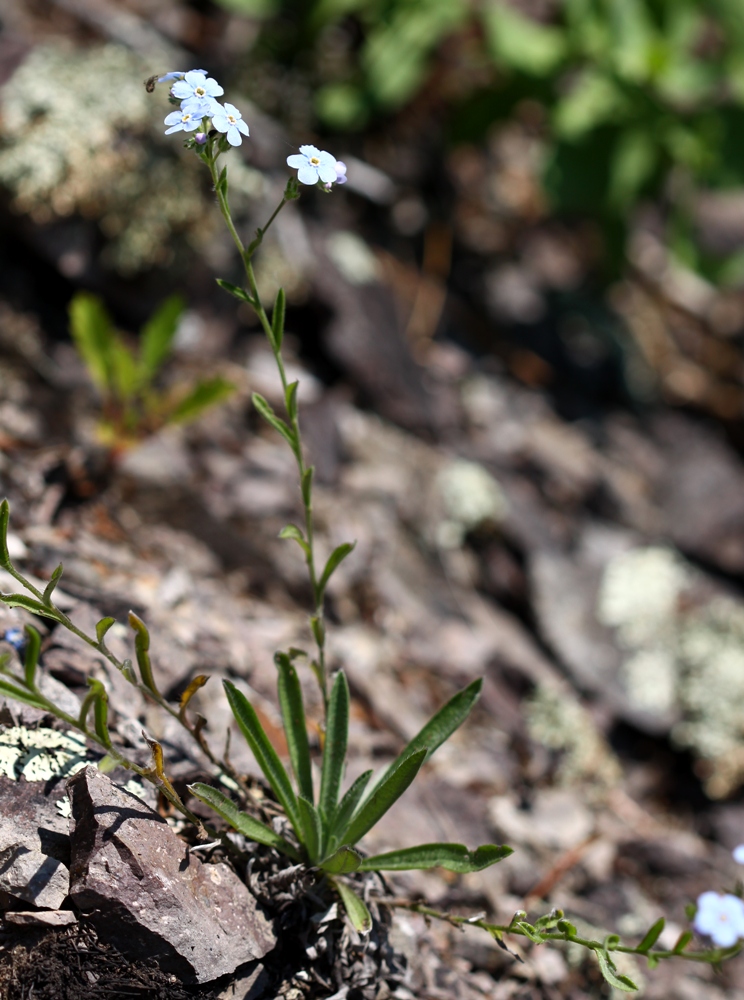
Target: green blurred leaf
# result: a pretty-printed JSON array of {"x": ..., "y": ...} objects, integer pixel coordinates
[
  {"x": 334, "y": 750},
  {"x": 4, "y": 519},
  {"x": 341, "y": 106},
  {"x": 240, "y": 821},
  {"x": 239, "y": 293},
  {"x": 594, "y": 98},
  {"x": 390, "y": 789},
  {"x": 652, "y": 936},
  {"x": 142, "y": 650},
  {"x": 102, "y": 628},
  {"x": 124, "y": 371},
  {"x": 263, "y": 751},
  {"x": 347, "y": 805},
  {"x": 29, "y": 604},
  {"x": 50, "y": 587},
  {"x": 634, "y": 39},
  {"x": 21, "y": 694},
  {"x": 633, "y": 162},
  {"x": 252, "y": 8},
  {"x": 453, "y": 857},
  {"x": 312, "y": 831},
  {"x": 334, "y": 561},
  {"x": 342, "y": 862},
  {"x": 295, "y": 725},
  {"x": 278, "y": 317},
  {"x": 521, "y": 43},
  {"x": 93, "y": 335},
  {"x": 204, "y": 394},
  {"x": 355, "y": 907},
  {"x": 267, "y": 412},
  {"x": 31, "y": 657},
  {"x": 293, "y": 532},
  {"x": 612, "y": 976},
  {"x": 156, "y": 337}
]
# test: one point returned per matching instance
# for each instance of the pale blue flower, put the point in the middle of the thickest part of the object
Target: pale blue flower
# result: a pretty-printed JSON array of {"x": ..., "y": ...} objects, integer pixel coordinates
[
  {"x": 182, "y": 120},
  {"x": 230, "y": 121},
  {"x": 178, "y": 75},
  {"x": 197, "y": 90},
  {"x": 15, "y": 637},
  {"x": 720, "y": 917},
  {"x": 313, "y": 164},
  {"x": 739, "y": 854},
  {"x": 340, "y": 172}
]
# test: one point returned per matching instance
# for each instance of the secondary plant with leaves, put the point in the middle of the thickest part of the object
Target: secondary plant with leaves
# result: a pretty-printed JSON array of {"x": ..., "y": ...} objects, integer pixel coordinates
[{"x": 133, "y": 406}]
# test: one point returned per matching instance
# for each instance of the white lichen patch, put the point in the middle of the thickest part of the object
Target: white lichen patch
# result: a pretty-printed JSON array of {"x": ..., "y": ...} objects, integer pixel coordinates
[
  {"x": 470, "y": 496},
  {"x": 40, "y": 754},
  {"x": 640, "y": 591}
]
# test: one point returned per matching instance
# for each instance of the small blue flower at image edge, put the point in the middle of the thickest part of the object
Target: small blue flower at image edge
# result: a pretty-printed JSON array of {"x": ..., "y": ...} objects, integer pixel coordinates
[
  {"x": 196, "y": 85},
  {"x": 182, "y": 120},
  {"x": 720, "y": 917},
  {"x": 230, "y": 121},
  {"x": 313, "y": 164},
  {"x": 14, "y": 637}
]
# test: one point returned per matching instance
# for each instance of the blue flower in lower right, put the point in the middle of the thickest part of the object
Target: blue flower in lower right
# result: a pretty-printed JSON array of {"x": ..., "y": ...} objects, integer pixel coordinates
[{"x": 720, "y": 917}]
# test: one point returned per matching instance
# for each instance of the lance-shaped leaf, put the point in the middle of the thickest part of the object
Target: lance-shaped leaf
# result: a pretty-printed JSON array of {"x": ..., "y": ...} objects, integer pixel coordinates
[
  {"x": 198, "y": 682},
  {"x": 4, "y": 518},
  {"x": 342, "y": 862},
  {"x": 334, "y": 561},
  {"x": 355, "y": 907},
  {"x": 293, "y": 532},
  {"x": 93, "y": 334},
  {"x": 102, "y": 628},
  {"x": 100, "y": 711},
  {"x": 390, "y": 789},
  {"x": 30, "y": 604},
  {"x": 156, "y": 337},
  {"x": 206, "y": 393},
  {"x": 141, "y": 648},
  {"x": 651, "y": 936},
  {"x": 240, "y": 821},
  {"x": 22, "y": 694},
  {"x": 277, "y": 318},
  {"x": 312, "y": 831},
  {"x": 49, "y": 589},
  {"x": 263, "y": 751},
  {"x": 453, "y": 857},
  {"x": 295, "y": 726},
  {"x": 442, "y": 725},
  {"x": 239, "y": 293},
  {"x": 267, "y": 412},
  {"x": 346, "y": 807},
  {"x": 290, "y": 399},
  {"x": 306, "y": 485},
  {"x": 612, "y": 976},
  {"x": 31, "y": 658},
  {"x": 334, "y": 750}
]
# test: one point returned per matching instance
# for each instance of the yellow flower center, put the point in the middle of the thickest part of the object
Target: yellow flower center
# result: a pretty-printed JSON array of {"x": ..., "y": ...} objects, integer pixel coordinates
[
  {"x": 314, "y": 160},
  {"x": 232, "y": 119},
  {"x": 200, "y": 92}
]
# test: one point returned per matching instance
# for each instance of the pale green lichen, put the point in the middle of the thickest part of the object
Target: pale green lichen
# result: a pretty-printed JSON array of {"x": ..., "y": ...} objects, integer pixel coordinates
[
  {"x": 77, "y": 137},
  {"x": 40, "y": 754},
  {"x": 470, "y": 497},
  {"x": 683, "y": 658},
  {"x": 560, "y": 723}
]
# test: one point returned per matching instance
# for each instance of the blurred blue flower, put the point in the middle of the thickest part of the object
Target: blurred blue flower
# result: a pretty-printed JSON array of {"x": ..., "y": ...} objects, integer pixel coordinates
[
  {"x": 313, "y": 164},
  {"x": 197, "y": 91},
  {"x": 340, "y": 172},
  {"x": 178, "y": 75},
  {"x": 15, "y": 637},
  {"x": 738, "y": 853},
  {"x": 230, "y": 121},
  {"x": 182, "y": 120},
  {"x": 720, "y": 917}
]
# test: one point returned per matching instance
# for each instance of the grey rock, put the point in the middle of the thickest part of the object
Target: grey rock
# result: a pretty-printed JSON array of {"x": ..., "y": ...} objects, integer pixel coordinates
[
  {"x": 41, "y": 918},
  {"x": 30, "y": 815},
  {"x": 33, "y": 877},
  {"x": 249, "y": 984},
  {"x": 146, "y": 893}
]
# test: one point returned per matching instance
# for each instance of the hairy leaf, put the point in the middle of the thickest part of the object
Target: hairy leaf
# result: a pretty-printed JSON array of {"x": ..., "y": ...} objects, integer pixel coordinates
[
  {"x": 342, "y": 861},
  {"x": 390, "y": 789},
  {"x": 312, "y": 832},
  {"x": 277, "y": 318},
  {"x": 267, "y": 412},
  {"x": 295, "y": 725},
  {"x": 204, "y": 394},
  {"x": 239, "y": 293},
  {"x": 355, "y": 907},
  {"x": 53, "y": 581},
  {"x": 612, "y": 976},
  {"x": 334, "y": 751},
  {"x": 453, "y": 857},
  {"x": 293, "y": 532},
  {"x": 334, "y": 561},
  {"x": 346, "y": 807},
  {"x": 240, "y": 821}
]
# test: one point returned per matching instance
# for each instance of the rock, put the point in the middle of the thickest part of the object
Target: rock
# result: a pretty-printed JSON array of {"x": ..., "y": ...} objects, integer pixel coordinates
[
  {"x": 31, "y": 816},
  {"x": 146, "y": 893},
  {"x": 247, "y": 985},
  {"x": 41, "y": 918},
  {"x": 33, "y": 877}
]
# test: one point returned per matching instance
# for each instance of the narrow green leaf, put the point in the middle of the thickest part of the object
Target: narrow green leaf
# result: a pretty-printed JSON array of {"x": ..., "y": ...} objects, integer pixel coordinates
[
  {"x": 240, "y": 821},
  {"x": 31, "y": 659},
  {"x": 346, "y": 807},
  {"x": 453, "y": 857},
  {"x": 567, "y": 928},
  {"x": 529, "y": 931},
  {"x": 102, "y": 628},
  {"x": 651, "y": 936},
  {"x": 392, "y": 786},
  {"x": 355, "y": 907},
  {"x": 342, "y": 862},
  {"x": 204, "y": 394},
  {"x": 312, "y": 832},
  {"x": 290, "y": 399},
  {"x": 318, "y": 629},
  {"x": 124, "y": 371},
  {"x": 4, "y": 518},
  {"x": 306, "y": 486},
  {"x": 49, "y": 589},
  {"x": 156, "y": 337},
  {"x": 263, "y": 751},
  {"x": 222, "y": 182},
  {"x": 334, "y": 750},
  {"x": 277, "y": 318},
  {"x": 293, "y": 532},
  {"x": 682, "y": 941},
  {"x": 93, "y": 334},
  {"x": 266, "y": 411},
  {"x": 295, "y": 725},
  {"x": 22, "y": 695},
  {"x": 100, "y": 711},
  {"x": 334, "y": 560},
  {"x": 612, "y": 976},
  {"x": 29, "y": 604},
  {"x": 239, "y": 293},
  {"x": 141, "y": 648}
]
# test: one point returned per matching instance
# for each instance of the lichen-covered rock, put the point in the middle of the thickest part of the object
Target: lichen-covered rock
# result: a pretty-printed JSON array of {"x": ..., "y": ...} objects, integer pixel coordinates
[{"x": 146, "y": 892}]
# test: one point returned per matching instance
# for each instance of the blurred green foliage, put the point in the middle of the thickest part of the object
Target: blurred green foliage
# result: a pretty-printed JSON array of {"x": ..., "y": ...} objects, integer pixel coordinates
[{"x": 636, "y": 93}]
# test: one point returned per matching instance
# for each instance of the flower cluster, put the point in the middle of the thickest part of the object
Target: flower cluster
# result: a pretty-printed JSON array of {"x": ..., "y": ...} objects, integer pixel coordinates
[{"x": 198, "y": 95}]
